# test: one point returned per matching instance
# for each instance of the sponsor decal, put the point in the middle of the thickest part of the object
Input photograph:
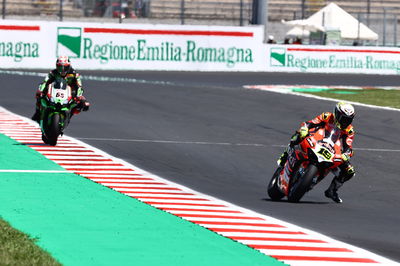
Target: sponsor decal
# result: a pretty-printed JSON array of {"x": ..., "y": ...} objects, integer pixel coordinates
[
  {"x": 311, "y": 60},
  {"x": 71, "y": 42},
  {"x": 19, "y": 50},
  {"x": 278, "y": 57}
]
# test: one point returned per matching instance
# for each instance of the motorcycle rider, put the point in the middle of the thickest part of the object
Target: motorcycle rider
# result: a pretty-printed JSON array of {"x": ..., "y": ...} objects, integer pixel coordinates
[
  {"x": 63, "y": 70},
  {"x": 342, "y": 117}
]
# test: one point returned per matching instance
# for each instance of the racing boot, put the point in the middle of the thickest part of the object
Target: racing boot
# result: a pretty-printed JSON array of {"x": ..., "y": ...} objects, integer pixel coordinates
[
  {"x": 36, "y": 115},
  {"x": 282, "y": 160},
  {"x": 331, "y": 192}
]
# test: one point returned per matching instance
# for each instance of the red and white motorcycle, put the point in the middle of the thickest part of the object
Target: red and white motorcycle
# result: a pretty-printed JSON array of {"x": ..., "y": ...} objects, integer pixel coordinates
[{"x": 307, "y": 164}]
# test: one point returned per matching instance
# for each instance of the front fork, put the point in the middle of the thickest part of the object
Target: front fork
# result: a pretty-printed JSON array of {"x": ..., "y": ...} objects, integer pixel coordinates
[
  {"x": 64, "y": 112},
  {"x": 322, "y": 173},
  {"x": 298, "y": 165},
  {"x": 46, "y": 115}
]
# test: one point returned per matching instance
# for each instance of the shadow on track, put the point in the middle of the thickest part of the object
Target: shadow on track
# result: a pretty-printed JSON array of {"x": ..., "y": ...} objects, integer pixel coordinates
[{"x": 300, "y": 202}]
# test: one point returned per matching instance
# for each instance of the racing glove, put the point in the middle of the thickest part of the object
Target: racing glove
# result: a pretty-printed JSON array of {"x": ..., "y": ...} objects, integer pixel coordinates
[
  {"x": 345, "y": 157},
  {"x": 86, "y": 106},
  {"x": 39, "y": 94},
  {"x": 82, "y": 103},
  {"x": 303, "y": 132}
]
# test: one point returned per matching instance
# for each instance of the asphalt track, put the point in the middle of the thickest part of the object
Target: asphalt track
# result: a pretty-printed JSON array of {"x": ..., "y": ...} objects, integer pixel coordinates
[{"x": 203, "y": 130}]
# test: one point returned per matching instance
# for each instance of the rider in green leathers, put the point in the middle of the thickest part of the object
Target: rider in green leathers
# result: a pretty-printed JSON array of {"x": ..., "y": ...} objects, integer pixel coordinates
[{"x": 63, "y": 70}]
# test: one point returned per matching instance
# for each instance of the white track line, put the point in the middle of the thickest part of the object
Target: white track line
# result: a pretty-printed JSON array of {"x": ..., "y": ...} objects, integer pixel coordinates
[
  {"x": 284, "y": 90},
  {"x": 218, "y": 143},
  {"x": 34, "y": 171}
]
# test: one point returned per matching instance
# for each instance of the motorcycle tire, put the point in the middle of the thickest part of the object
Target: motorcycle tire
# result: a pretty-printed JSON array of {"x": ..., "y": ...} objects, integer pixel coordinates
[
  {"x": 302, "y": 185},
  {"x": 273, "y": 190},
  {"x": 54, "y": 130}
]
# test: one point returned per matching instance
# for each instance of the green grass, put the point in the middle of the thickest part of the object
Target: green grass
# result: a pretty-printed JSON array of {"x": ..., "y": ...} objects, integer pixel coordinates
[
  {"x": 17, "y": 248},
  {"x": 380, "y": 97}
]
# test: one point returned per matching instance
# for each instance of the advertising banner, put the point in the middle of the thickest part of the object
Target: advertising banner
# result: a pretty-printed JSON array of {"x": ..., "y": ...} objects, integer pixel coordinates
[
  {"x": 131, "y": 46},
  {"x": 21, "y": 45},
  {"x": 333, "y": 59},
  {"x": 37, "y": 44}
]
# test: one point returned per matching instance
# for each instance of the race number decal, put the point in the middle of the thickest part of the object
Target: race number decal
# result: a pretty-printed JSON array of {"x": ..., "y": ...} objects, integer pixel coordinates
[{"x": 324, "y": 152}]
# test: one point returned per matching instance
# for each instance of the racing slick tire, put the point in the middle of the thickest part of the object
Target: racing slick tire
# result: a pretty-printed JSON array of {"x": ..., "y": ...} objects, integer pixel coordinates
[
  {"x": 54, "y": 130},
  {"x": 302, "y": 184},
  {"x": 273, "y": 190}
]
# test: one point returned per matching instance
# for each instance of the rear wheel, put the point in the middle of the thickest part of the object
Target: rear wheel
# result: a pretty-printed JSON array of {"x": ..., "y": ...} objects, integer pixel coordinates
[
  {"x": 302, "y": 184},
  {"x": 273, "y": 190}
]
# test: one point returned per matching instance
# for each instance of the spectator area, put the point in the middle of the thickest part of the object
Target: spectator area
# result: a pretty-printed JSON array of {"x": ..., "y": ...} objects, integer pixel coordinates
[
  {"x": 292, "y": 9},
  {"x": 197, "y": 9},
  {"x": 41, "y": 8}
]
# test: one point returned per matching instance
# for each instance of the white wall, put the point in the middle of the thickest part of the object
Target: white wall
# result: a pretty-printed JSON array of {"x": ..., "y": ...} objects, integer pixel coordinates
[
  {"x": 131, "y": 47},
  {"x": 36, "y": 45},
  {"x": 333, "y": 59}
]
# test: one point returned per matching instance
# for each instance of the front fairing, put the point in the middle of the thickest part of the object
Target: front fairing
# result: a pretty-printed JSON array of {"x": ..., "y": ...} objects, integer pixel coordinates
[
  {"x": 294, "y": 161},
  {"x": 323, "y": 147},
  {"x": 59, "y": 97},
  {"x": 58, "y": 100}
]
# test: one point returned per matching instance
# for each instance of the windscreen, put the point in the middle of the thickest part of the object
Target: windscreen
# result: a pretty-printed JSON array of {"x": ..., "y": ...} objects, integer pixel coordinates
[
  {"x": 332, "y": 135},
  {"x": 60, "y": 84}
]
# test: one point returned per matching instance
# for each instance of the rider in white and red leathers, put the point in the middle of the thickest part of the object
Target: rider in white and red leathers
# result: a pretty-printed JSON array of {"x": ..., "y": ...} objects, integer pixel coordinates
[{"x": 342, "y": 118}]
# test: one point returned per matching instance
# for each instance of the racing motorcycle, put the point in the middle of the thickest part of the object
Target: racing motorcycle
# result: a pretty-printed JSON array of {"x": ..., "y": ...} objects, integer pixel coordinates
[
  {"x": 55, "y": 112},
  {"x": 317, "y": 155}
]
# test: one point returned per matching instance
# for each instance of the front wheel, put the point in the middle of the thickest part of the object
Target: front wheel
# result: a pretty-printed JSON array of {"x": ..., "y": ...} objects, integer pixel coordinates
[
  {"x": 302, "y": 184},
  {"x": 54, "y": 130},
  {"x": 273, "y": 190}
]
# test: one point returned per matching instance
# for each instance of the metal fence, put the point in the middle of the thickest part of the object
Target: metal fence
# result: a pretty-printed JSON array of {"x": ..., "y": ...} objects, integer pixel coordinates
[
  {"x": 229, "y": 12},
  {"x": 384, "y": 23},
  {"x": 211, "y": 12}
]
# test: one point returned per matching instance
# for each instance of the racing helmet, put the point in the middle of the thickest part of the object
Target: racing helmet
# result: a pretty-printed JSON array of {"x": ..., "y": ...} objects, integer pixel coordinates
[
  {"x": 344, "y": 114},
  {"x": 63, "y": 65}
]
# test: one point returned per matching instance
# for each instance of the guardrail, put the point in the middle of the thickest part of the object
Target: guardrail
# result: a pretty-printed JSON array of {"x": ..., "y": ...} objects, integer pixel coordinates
[
  {"x": 39, "y": 8},
  {"x": 240, "y": 11},
  {"x": 381, "y": 16},
  {"x": 235, "y": 12}
]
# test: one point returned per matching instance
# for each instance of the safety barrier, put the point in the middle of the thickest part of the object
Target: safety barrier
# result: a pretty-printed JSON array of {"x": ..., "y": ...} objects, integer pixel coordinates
[{"x": 93, "y": 46}]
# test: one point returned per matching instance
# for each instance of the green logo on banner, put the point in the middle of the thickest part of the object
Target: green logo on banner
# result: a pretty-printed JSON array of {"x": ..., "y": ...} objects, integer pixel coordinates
[
  {"x": 72, "y": 42},
  {"x": 278, "y": 56},
  {"x": 69, "y": 41}
]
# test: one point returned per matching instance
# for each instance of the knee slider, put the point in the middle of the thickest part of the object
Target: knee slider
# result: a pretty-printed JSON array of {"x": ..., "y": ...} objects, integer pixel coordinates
[
  {"x": 346, "y": 174},
  {"x": 350, "y": 170}
]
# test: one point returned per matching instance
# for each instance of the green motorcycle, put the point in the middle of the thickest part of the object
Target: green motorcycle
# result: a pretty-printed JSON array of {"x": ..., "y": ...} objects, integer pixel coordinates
[{"x": 55, "y": 112}]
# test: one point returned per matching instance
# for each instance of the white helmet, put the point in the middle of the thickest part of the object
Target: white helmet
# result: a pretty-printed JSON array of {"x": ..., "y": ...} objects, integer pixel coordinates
[{"x": 344, "y": 114}]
